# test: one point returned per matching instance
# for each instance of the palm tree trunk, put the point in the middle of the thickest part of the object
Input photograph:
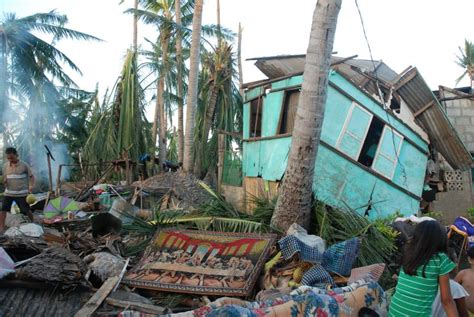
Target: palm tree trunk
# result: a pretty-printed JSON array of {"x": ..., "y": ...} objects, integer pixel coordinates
[
  {"x": 206, "y": 126},
  {"x": 219, "y": 35},
  {"x": 239, "y": 61},
  {"x": 294, "y": 200},
  {"x": 160, "y": 102},
  {"x": 193, "y": 87},
  {"x": 4, "y": 90},
  {"x": 179, "y": 58},
  {"x": 135, "y": 27}
]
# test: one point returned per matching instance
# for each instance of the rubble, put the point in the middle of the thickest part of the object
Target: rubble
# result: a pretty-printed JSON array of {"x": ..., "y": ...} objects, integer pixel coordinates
[
  {"x": 181, "y": 190},
  {"x": 104, "y": 264},
  {"x": 90, "y": 254},
  {"x": 55, "y": 266}
]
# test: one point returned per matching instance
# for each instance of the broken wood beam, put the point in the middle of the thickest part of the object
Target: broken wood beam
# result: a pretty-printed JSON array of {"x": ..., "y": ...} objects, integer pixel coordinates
[
  {"x": 96, "y": 300},
  {"x": 426, "y": 107},
  {"x": 144, "y": 308}
]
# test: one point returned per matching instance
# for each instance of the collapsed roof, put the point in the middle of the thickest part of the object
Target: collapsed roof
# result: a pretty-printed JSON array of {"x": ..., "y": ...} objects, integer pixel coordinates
[{"x": 410, "y": 86}]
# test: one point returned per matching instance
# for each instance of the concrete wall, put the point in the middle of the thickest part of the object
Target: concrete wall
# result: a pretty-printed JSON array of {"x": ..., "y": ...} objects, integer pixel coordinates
[
  {"x": 340, "y": 180},
  {"x": 457, "y": 199},
  {"x": 461, "y": 114}
]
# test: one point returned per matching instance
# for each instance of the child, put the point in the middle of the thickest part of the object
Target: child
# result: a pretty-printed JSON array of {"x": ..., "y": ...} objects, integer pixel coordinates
[
  {"x": 466, "y": 279},
  {"x": 425, "y": 266}
]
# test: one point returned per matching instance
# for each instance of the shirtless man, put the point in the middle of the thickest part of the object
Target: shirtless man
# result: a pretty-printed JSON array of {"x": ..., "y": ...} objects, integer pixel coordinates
[{"x": 466, "y": 279}]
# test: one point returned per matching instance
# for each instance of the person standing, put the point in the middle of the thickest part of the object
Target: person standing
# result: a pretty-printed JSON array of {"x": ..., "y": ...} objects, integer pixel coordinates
[
  {"x": 425, "y": 267},
  {"x": 18, "y": 181}
]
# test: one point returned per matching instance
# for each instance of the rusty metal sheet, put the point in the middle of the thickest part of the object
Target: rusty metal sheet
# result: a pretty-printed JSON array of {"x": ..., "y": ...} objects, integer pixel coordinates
[{"x": 415, "y": 92}]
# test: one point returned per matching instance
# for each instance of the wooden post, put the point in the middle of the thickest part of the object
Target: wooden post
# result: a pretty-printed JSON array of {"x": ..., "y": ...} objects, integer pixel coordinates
[
  {"x": 58, "y": 180},
  {"x": 127, "y": 168},
  {"x": 220, "y": 159},
  {"x": 239, "y": 61},
  {"x": 96, "y": 300},
  {"x": 50, "y": 174}
]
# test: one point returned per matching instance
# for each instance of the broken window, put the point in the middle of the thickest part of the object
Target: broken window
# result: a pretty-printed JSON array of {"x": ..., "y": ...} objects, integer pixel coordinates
[
  {"x": 369, "y": 149},
  {"x": 395, "y": 103},
  {"x": 370, "y": 141},
  {"x": 256, "y": 110},
  {"x": 288, "y": 111},
  {"x": 387, "y": 153},
  {"x": 354, "y": 132}
]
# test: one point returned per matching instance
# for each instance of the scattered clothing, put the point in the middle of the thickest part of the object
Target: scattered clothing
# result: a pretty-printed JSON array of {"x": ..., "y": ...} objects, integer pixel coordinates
[
  {"x": 338, "y": 259},
  {"x": 371, "y": 272},
  {"x": 305, "y": 301}
]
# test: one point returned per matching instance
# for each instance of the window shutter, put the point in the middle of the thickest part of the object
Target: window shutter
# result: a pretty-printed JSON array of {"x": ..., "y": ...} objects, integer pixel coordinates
[{"x": 354, "y": 132}]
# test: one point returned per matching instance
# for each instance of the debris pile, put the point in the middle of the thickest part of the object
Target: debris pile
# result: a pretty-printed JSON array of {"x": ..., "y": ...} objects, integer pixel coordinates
[
  {"x": 181, "y": 190},
  {"x": 123, "y": 258},
  {"x": 55, "y": 266}
]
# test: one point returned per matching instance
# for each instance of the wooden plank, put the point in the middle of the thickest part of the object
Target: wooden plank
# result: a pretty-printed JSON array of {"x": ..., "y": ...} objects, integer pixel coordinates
[
  {"x": 257, "y": 187},
  {"x": 408, "y": 76},
  {"x": 144, "y": 308},
  {"x": 426, "y": 107},
  {"x": 96, "y": 300}
]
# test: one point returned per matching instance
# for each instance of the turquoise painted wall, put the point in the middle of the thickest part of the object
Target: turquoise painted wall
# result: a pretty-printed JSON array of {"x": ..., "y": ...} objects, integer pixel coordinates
[{"x": 339, "y": 181}]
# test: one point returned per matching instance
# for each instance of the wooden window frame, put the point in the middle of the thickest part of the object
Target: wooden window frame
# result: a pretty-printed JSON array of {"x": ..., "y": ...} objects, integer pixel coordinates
[
  {"x": 260, "y": 102},
  {"x": 282, "y": 109},
  {"x": 397, "y": 152},
  {"x": 344, "y": 130}
]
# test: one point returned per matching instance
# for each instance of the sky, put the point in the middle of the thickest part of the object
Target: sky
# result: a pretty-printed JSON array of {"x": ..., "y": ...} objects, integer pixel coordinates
[{"x": 402, "y": 33}]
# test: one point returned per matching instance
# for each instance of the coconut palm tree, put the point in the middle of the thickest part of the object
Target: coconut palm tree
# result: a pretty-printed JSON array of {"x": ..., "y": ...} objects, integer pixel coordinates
[
  {"x": 294, "y": 200},
  {"x": 217, "y": 71},
  {"x": 33, "y": 74},
  {"x": 161, "y": 14},
  {"x": 465, "y": 59},
  {"x": 179, "y": 83},
  {"x": 120, "y": 125},
  {"x": 27, "y": 60},
  {"x": 192, "y": 98}
]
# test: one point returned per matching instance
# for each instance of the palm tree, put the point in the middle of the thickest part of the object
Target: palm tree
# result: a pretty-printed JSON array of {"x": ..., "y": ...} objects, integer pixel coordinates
[
  {"x": 239, "y": 61},
  {"x": 193, "y": 87},
  {"x": 218, "y": 69},
  {"x": 180, "y": 91},
  {"x": 161, "y": 13},
  {"x": 294, "y": 200},
  {"x": 33, "y": 72},
  {"x": 120, "y": 125},
  {"x": 466, "y": 60}
]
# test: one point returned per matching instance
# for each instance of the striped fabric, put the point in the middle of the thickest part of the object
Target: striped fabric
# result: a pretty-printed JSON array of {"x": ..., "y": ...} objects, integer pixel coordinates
[{"x": 414, "y": 295}]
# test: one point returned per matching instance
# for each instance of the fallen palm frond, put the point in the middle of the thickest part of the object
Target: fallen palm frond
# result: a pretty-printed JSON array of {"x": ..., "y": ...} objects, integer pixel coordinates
[
  {"x": 184, "y": 220},
  {"x": 217, "y": 205},
  {"x": 263, "y": 208},
  {"x": 377, "y": 238}
]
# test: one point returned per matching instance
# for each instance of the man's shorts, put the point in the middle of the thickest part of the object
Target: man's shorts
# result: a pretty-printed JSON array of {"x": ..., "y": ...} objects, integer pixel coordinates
[{"x": 20, "y": 201}]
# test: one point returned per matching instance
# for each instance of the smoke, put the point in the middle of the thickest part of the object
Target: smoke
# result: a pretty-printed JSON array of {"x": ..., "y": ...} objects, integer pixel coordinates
[{"x": 39, "y": 162}]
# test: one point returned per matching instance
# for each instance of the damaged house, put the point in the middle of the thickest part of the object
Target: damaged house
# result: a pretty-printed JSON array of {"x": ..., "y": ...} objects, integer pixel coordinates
[{"x": 380, "y": 129}]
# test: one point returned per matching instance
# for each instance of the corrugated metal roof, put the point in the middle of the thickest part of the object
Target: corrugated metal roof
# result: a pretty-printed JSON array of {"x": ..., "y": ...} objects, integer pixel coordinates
[
  {"x": 415, "y": 92},
  {"x": 284, "y": 65}
]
